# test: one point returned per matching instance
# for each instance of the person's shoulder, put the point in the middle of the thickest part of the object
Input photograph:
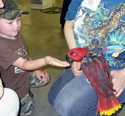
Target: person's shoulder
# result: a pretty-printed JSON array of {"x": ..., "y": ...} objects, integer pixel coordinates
[
  {"x": 72, "y": 9},
  {"x": 3, "y": 41},
  {"x": 76, "y": 2}
]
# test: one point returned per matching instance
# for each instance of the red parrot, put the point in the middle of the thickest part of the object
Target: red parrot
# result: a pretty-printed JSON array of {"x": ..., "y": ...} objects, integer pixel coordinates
[{"x": 97, "y": 71}]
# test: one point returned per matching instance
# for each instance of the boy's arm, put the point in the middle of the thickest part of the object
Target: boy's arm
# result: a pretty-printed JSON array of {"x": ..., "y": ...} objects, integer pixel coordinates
[
  {"x": 41, "y": 73},
  {"x": 36, "y": 64}
]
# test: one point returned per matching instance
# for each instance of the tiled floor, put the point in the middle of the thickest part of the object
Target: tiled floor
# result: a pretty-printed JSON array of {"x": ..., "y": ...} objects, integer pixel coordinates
[{"x": 44, "y": 36}]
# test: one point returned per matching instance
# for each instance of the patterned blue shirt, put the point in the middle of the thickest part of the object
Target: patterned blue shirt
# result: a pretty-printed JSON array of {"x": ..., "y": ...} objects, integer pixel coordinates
[{"x": 102, "y": 29}]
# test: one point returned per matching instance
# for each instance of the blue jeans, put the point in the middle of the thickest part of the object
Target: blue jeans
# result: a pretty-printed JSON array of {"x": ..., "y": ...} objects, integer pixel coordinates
[{"x": 74, "y": 96}]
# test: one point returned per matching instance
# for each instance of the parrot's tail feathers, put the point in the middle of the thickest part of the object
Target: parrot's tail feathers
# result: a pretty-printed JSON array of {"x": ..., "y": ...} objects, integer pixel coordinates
[
  {"x": 108, "y": 105},
  {"x": 116, "y": 103}
]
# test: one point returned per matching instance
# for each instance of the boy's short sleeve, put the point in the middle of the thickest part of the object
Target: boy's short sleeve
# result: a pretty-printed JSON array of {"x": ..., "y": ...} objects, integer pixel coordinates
[
  {"x": 11, "y": 50},
  {"x": 72, "y": 9},
  {"x": 7, "y": 57}
]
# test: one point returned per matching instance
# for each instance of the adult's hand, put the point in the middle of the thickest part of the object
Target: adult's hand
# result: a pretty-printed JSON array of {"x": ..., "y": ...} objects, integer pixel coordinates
[
  {"x": 76, "y": 68},
  {"x": 118, "y": 80}
]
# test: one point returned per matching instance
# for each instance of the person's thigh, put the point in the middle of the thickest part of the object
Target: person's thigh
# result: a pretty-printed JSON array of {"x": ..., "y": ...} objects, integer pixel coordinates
[
  {"x": 121, "y": 98},
  {"x": 64, "y": 77},
  {"x": 77, "y": 98}
]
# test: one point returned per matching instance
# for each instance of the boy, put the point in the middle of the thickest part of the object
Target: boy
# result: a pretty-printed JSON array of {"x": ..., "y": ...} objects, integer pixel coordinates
[{"x": 15, "y": 64}]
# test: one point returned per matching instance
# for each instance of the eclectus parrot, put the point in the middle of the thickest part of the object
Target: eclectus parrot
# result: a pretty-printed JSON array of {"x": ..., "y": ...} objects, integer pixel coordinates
[{"x": 97, "y": 71}]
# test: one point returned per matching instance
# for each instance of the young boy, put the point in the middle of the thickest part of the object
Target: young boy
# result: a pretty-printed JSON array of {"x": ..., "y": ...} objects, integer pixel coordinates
[{"x": 16, "y": 67}]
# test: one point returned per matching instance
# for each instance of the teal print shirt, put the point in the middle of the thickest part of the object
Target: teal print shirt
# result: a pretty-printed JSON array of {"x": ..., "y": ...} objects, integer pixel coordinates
[{"x": 102, "y": 29}]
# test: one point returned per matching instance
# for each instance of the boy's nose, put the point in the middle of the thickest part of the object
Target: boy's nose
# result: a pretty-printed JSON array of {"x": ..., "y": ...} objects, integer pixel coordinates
[{"x": 16, "y": 24}]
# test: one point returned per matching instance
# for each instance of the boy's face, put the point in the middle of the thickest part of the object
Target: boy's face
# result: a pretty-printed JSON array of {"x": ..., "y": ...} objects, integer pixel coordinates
[{"x": 9, "y": 28}]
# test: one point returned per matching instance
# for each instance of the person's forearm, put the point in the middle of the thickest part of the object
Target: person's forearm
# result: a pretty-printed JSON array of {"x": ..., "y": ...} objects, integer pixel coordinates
[
  {"x": 68, "y": 31},
  {"x": 31, "y": 59},
  {"x": 34, "y": 64},
  {"x": 31, "y": 64}
]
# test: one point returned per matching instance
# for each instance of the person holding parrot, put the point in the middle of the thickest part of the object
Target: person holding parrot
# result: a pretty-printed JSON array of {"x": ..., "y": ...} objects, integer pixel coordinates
[{"x": 97, "y": 27}]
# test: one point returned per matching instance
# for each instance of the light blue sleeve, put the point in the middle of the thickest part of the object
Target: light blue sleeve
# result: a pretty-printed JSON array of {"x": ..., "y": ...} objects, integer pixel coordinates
[{"x": 72, "y": 10}]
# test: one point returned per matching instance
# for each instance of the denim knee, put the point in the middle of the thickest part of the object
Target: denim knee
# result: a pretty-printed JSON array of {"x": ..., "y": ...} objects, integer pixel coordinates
[
  {"x": 76, "y": 98},
  {"x": 64, "y": 77}
]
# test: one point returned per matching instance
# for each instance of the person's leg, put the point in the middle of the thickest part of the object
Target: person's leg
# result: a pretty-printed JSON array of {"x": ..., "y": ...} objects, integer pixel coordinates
[
  {"x": 35, "y": 82},
  {"x": 76, "y": 98},
  {"x": 27, "y": 105},
  {"x": 9, "y": 103},
  {"x": 65, "y": 76},
  {"x": 121, "y": 98}
]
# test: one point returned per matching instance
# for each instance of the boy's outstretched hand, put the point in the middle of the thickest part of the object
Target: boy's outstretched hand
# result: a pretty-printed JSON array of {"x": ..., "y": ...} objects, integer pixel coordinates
[{"x": 55, "y": 62}]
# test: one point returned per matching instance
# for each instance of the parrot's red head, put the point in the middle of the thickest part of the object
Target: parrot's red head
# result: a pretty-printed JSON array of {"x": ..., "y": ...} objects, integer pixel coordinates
[{"x": 77, "y": 54}]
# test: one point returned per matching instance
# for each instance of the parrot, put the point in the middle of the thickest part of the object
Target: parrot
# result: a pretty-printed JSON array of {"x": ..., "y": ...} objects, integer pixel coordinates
[{"x": 97, "y": 71}]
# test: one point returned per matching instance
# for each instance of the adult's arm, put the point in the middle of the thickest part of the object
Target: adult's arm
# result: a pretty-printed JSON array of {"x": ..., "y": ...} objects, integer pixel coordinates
[
  {"x": 69, "y": 36},
  {"x": 68, "y": 28},
  {"x": 68, "y": 31}
]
